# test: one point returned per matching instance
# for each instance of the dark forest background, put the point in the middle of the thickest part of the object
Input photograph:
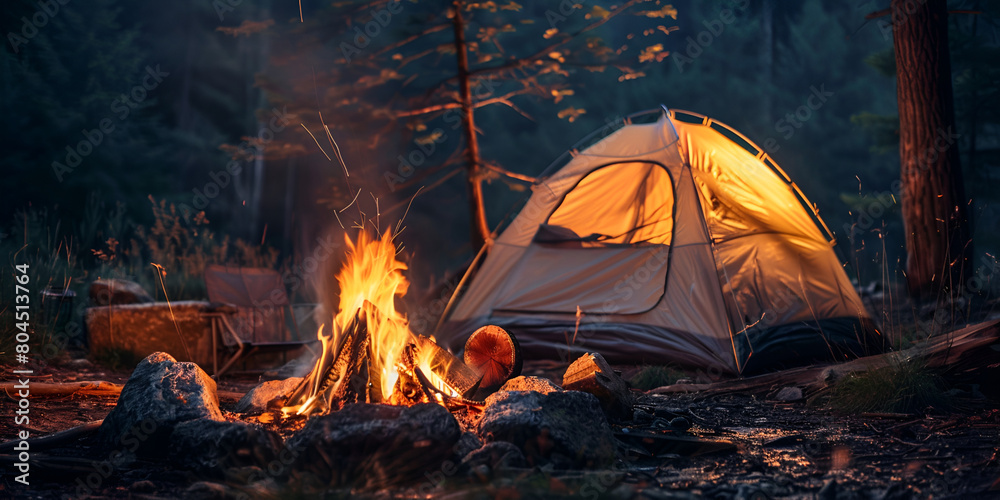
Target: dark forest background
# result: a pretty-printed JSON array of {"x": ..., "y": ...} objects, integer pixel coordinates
[{"x": 230, "y": 68}]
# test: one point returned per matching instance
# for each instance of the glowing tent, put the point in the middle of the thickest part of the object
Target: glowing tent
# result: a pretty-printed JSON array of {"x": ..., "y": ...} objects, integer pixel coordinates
[{"x": 678, "y": 241}]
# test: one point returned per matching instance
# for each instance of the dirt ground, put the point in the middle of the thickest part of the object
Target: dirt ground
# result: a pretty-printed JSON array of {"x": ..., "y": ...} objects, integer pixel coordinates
[{"x": 736, "y": 446}]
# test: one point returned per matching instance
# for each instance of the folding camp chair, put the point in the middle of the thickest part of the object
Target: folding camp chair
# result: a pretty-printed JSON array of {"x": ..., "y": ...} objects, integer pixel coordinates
[{"x": 249, "y": 314}]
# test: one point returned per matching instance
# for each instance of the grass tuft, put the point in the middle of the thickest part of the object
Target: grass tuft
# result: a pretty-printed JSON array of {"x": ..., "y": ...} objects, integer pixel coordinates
[
  {"x": 901, "y": 387},
  {"x": 651, "y": 377}
]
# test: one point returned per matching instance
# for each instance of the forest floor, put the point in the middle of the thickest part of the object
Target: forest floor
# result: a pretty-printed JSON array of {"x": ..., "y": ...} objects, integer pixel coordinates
[{"x": 738, "y": 445}]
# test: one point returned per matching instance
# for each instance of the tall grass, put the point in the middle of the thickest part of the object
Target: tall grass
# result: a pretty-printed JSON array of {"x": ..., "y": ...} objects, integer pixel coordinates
[
  {"x": 904, "y": 386},
  {"x": 35, "y": 238},
  {"x": 653, "y": 376},
  {"x": 183, "y": 245},
  {"x": 108, "y": 244}
]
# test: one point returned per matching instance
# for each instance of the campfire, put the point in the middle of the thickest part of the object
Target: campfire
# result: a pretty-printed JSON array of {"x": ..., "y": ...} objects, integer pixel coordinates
[{"x": 371, "y": 356}]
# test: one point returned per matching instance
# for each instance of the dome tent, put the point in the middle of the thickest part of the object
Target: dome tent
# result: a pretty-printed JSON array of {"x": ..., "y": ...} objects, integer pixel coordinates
[{"x": 672, "y": 241}]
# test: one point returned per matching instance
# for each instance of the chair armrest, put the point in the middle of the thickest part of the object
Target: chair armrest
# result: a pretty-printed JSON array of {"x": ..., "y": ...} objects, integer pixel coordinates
[{"x": 221, "y": 308}]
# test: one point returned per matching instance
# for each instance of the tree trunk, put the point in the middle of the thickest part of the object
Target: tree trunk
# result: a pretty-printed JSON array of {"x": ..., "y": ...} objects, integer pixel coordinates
[
  {"x": 479, "y": 228},
  {"x": 933, "y": 197}
]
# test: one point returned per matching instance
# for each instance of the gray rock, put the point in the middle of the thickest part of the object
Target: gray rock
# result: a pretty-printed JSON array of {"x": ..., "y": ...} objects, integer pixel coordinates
[
  {"x": 566, "y": 429},
  {"x": 468, "y": 443},
  {"x": 257, "y": 399},
  {"x": 297, "y": 367},
  {"x": 374, "y": 446},
  {"x": 680, "y": 423},
  {"x": 80, "y": 364},
  {"x": 160, "y": 394},
  {"x": 529, "y": 383},
  {"x": 789, "y": 394},
  {"x": 107, "y": 292},
  {"x": 829, "y": 491},
  {"x": 495, "y": 455},
  {"x": 642, "y": 416},
  {"x": 210, "y": 447}
]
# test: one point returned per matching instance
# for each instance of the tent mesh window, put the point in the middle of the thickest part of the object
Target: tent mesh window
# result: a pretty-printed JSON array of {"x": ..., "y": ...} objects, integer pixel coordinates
[{"x": 620, "y": 204}]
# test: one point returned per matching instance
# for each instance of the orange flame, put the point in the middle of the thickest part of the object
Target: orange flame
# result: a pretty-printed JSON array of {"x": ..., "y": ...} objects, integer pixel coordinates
[{"x": 372, "y": 273}]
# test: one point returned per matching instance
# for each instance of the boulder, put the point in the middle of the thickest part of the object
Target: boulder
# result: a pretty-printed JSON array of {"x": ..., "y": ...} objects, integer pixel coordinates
[
  {"x": 257, "y": 399},
  {"x": 789, "y": 394},
  {"x": 468, "y": 443},
  {"x": 374, "y": 446},
  {"x": 108, "y": 292},
  {"x": 567, "y": 429},
  {"x": 160, "y": 394},
  {"x": 211, "y": 447},
  {"x": 529, "y": 383}
]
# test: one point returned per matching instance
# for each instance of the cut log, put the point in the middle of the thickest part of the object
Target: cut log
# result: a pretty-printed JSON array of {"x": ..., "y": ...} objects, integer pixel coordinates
[
  {"x": 495, "y": 354},
  {"x": 591, "y": 373},
  {"x": 969, "y": 349}
]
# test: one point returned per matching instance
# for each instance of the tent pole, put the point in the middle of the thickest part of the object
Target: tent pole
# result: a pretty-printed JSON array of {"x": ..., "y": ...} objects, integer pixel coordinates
[{"x": 461, "y": 283}]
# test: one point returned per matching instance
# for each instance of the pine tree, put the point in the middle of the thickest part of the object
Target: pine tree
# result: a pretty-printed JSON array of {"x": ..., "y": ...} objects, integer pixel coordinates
[{"x": 429, "y": 71}]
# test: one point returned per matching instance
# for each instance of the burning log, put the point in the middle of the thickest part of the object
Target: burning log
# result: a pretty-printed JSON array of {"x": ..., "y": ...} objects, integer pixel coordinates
[
  {"x": 453, "y": 372},
  {"x": 373, "y": 357},
  {"x": 329, "y": 385},
  {"x": 414, "y": 386},
  {"x": 424, "y": 373},
  {"x": 494, "y": 353},
  {"x": 408, "y": 389}
]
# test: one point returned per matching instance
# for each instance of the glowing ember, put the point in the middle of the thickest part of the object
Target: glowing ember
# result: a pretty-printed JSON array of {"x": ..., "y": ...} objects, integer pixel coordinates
[{"x": 369, "y": 330}]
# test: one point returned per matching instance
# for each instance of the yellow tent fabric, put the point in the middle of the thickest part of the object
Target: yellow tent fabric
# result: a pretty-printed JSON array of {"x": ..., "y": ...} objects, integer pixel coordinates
[{"x": 677, "y": 245}]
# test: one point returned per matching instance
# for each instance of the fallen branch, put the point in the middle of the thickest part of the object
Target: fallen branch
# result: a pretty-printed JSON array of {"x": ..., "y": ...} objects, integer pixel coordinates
[
  {"x": 87, "y": 388},
  {"x": 56, "y": 438},
  {"x": 963, "y": 350},
  {"x": 84, "y": 388}
]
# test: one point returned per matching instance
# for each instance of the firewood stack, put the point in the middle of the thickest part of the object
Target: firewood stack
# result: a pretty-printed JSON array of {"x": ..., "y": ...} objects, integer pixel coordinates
[{"x": 350, "y": 376}]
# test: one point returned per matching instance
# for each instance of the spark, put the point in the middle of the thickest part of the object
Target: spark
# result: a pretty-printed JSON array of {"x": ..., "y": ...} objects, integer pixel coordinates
[{"x": 317, "y": 143}]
